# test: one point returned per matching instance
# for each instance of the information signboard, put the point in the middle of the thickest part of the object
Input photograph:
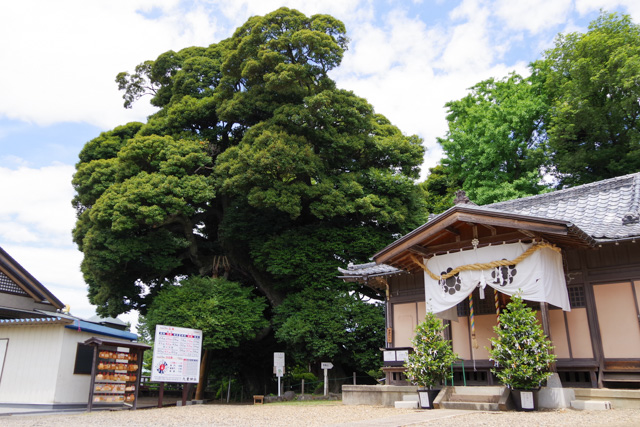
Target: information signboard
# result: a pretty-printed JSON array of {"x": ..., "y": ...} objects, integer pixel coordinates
[
  {"x": 176, "y": 355},
  {"x": 278, "y": 359}
]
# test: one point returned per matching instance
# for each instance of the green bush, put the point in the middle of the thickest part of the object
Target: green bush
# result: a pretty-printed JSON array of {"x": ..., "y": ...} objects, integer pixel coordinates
[
  {"x": 431, "y": 360},
  {"x": 521, "y": 350}
]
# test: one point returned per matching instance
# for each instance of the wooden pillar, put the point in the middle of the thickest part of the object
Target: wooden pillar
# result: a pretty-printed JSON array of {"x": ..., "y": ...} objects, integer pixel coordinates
[
  {"x": 546, "y": 326},
  {"x": 92, "y": 383},
  {"x": 160, "y": 394},
  {"x": 204, "y": 371},
  {"x": 185, "y": 391}
]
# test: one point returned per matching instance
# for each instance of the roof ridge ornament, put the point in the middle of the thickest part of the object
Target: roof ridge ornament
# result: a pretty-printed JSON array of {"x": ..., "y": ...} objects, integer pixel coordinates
[
  {"x": 633, "y": 216},
  {"x": 462, "y": 198}
]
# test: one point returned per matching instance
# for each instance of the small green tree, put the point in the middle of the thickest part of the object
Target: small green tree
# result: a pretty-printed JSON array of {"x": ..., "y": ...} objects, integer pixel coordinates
[
  {"x": 521, "y": 350},
  {"x": 433, "y": 355}
]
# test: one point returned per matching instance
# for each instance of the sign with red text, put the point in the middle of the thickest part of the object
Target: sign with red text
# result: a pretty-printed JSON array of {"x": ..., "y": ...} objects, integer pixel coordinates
[{"x": 176, "y": 355}]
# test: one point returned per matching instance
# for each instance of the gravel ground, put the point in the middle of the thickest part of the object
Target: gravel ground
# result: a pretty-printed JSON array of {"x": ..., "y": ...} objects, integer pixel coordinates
[
  {"x": 322, "y": 415},
  {"x": 563, "y": 417}
]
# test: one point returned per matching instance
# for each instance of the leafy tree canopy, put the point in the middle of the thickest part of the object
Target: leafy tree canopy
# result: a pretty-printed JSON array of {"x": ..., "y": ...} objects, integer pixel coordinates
[
  {"x": 439, "y": 189},
  {"x": 575, "y": 117},
  {"x": 226, "y": 312},
  {"x": 254, "y": 157},
  {"x": 592, "y": 80},
  {"x": 495, "y": 140}
]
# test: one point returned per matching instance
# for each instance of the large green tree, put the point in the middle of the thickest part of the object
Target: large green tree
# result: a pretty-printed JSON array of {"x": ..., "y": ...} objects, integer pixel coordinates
[
  {"x": 575, "y": 117},
  {"x": 495, "y": 142},
  {"x": 593, "y": 81},
  {"x": 439, "y": 189},
  {"x": 255, "y": 158}
]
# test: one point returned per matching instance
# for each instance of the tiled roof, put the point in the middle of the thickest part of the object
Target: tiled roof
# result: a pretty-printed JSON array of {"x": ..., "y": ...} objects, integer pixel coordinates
[
  {"x": 34, "y": 321},
  {"x": 369, "y": 269},
  {"x": 606, "y": 210}
]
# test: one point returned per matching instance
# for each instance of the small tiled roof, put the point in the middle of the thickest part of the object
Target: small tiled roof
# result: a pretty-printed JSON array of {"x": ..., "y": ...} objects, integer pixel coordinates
[
  {"x": 605, "y": 210},
  {"x": 370, "y": 269},
  {"x": 34, "y": 321}
]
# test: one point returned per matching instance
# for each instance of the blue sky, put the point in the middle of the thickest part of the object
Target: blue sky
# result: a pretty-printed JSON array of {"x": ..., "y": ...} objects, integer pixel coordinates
[{"x": 60, "y": 59}]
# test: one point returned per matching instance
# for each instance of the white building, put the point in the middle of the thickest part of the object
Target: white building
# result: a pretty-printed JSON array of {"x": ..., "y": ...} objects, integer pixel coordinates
[{"x": 43, "y": 361}]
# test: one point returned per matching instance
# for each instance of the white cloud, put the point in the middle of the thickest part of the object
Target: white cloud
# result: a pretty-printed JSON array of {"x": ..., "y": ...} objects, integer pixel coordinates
[
  {"x": 61, "y": 57},
  {"x": 39, "y": 201},
  {"x": 408, "y": 70},
  {"x": 533, "y": 15},
  {"x": 632, "y": 7},
  {"x": 64, "y": 55},
  {"x": 36, "y": 219}
]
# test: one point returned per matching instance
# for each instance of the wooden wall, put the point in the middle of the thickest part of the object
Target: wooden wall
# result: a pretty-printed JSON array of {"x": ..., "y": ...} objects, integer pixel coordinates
[{"x": 601, "y": 332}]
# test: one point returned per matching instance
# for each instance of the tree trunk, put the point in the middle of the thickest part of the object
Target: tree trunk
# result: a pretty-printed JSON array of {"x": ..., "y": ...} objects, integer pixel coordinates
[{"x": 204, "y": 374}]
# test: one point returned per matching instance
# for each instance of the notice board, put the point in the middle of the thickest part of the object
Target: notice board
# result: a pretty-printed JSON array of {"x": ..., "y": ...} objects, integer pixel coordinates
[{"x": 176, "y": 355}]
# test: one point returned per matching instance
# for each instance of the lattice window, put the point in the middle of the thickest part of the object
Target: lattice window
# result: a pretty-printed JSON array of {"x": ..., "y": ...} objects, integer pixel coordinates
[
  {"x": 480, "y": 306},
  {"x": 9, "y": 286},
  {"x": 576, "y": 296}
]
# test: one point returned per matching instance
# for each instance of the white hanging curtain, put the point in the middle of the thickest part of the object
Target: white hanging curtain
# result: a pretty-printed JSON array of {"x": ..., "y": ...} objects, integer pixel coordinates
[{"x": 538, "y": 277}]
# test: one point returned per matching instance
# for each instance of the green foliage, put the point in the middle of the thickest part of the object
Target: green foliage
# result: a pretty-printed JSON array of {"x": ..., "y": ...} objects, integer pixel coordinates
[
  {"x": 574, "y": 118},
  {"x": 495, "y": 142},
  {"x": 226, "y": 312},
  {"x": 301, "y": 373},
  {"x": 592, "y": 79},
  {"x": 432, "y": 357},
  {"x": 439, "y": 189},
  {"x": 137, "y": 211},
  {"x": 254, "y": 156},
  {"x": 521, "y": 350},
  {"x": 322, "y": 325}
]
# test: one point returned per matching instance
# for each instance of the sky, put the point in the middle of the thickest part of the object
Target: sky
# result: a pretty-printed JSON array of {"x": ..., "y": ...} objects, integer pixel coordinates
[{"x": 60, "y": 58}]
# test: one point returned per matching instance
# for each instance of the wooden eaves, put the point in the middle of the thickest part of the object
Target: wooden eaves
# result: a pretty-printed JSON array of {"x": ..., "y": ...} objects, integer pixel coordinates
[{"x": 456, "y": 228}]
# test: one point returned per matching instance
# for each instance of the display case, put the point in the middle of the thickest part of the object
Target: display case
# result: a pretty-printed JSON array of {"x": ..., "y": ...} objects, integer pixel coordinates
[{"x": 115, "y": 376}]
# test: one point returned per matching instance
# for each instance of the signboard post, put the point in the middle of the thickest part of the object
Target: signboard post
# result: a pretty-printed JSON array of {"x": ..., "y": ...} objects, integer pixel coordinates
[
  {"x": 326, "y": 366},
  {"x": 176, "y": 355},
  {"x": 278, "y": 364}
]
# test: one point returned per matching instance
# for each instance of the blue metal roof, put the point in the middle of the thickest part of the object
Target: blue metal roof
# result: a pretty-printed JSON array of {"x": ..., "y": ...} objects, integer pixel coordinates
[{"x": 84, "y": 326}]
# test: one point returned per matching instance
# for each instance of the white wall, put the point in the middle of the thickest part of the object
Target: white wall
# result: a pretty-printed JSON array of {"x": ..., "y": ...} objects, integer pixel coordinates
[
  {"x": 71, "y": 388},
  {"x": 31, "y": 364}
]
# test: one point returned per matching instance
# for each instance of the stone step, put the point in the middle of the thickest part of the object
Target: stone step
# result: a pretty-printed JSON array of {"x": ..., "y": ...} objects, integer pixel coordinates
[
  {"x": 406, "y": 404},
  {"x": 591, "y": 405},
  {"x": 484, "y": 390},
  {"x": 475, "y": 398},
  {"x": 470, "y": 406},
  {"x": 411, "y": 397}
]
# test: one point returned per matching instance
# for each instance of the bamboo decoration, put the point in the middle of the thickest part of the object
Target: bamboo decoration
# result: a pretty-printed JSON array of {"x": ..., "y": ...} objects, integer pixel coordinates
[
  {"x": 495, "y": 294},
  {"x": 472, "y": 318}
]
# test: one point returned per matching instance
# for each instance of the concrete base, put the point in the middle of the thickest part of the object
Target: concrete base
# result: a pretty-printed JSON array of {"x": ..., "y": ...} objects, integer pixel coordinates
[
  {"x": 619, "y": 398},
  {"x": 591, "y": 405},
  {"x": 406, "y": 404},
  {"x": 549, "y": 397},
  {"x": 555, "y": 398},
  {"x": 379, "y": 395},
  {"x": 179, "y": 403}
]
